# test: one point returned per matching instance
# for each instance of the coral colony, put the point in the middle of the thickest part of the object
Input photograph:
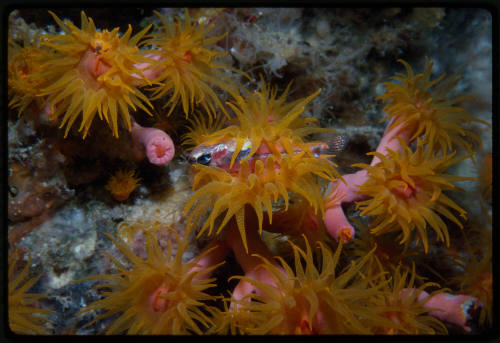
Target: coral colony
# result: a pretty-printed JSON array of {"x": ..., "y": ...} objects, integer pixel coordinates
[{"x": 275, "y": 235}]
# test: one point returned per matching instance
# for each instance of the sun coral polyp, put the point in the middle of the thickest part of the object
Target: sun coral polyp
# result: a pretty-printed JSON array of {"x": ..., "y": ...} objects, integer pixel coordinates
[
  {"x": 406, "y": 311},
  {"x": 24, "y": 62},
  {"x": 122, "y": 184},
  {"x": 307, "y": 300},
  {"x": 222, "y": 193},
  {"x": 405, "y": 192},
  {"x": 424, "y": 108},
  {"x": 184, "y": 66},
  {"x": 24, "y": 316},
  {"x": 158, "y": 295},
  {"x": 93, "y": 73}
]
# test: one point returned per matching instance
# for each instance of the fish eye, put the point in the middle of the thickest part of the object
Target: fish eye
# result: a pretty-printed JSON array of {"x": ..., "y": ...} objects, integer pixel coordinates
[{"x": 204, "y": 159}]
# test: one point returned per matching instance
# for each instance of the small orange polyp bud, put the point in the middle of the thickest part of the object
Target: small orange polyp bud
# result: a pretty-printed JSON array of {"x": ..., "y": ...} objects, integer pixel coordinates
[
  {"x": 159, "y": 304},
  {"x": 345, "y": 235},
  {"x": 122, "y": 184}
]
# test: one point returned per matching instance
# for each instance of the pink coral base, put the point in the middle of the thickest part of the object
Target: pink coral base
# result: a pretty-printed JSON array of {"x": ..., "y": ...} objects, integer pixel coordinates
[{"x": 335, "y": 220}]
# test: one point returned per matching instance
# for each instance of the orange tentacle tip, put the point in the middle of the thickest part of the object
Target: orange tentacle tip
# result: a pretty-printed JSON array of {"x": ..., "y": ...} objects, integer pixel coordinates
[{"x": 346, "y": 235}]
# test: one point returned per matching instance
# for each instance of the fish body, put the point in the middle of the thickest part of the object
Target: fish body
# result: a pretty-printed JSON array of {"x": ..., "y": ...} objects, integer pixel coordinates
[{"x": 220, "y": 154}]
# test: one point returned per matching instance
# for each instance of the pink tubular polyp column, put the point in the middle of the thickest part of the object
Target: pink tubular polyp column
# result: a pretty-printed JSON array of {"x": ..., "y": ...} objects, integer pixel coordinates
[
  {"x": 454, "y": 309},
  {"x": 335, "y": 220},
  {"x": 248, "y": 261},
  {"x": 152, "y": 143},
  {"x": 216, "y": 252}
]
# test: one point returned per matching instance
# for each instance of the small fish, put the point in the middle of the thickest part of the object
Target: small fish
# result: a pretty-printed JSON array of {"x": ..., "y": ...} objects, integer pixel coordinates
[{"x": 219, "y": 155}]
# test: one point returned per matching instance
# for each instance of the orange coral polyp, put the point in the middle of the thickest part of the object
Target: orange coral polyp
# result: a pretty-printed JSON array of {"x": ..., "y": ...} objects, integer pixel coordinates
[
  {"x": 308, "y": 299},
  {"x": 24, "y": 316},
  {"x": 406, "y": 193},
  {"x": 156, "y": 295},
  {"x": 401, "y": 305},
  {"x": 93, "y": 73},
  {"x": 186, "y": 66},
  {"x": 426, "y": 111},
  {"x": 219, "y": 192},
  {"x": 122, "y": 184},
  {"x": 24, "y": 62}
]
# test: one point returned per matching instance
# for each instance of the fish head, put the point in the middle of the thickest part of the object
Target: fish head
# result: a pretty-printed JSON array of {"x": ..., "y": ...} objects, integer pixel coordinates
[{"x": 202, "y": 154}]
